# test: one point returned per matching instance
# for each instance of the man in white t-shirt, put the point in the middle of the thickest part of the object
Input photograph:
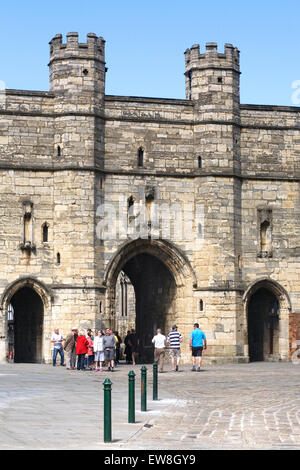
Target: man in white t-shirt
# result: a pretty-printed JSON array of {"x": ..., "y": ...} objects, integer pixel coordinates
[
  {"x": 57, "y": 339},
  {"x": 159, "y": 342}
]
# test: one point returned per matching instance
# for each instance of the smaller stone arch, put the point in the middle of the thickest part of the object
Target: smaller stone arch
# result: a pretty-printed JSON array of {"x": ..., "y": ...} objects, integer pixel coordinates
[
  {"x": 22, "y": 292},
  {"x": 285, "y": 307},
  {"x": 39, "y": 287},
  {"x": 271, "y": 284}
]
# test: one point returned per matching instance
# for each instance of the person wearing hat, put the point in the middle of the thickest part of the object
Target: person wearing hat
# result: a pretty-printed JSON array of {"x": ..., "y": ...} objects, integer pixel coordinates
[
  {"x": 174, "y": 339},
  {"x": 70, "y": 348}
]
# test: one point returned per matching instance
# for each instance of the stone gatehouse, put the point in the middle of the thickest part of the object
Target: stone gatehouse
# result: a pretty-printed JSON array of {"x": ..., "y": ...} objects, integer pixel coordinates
[{"x": 195, "y": 202}]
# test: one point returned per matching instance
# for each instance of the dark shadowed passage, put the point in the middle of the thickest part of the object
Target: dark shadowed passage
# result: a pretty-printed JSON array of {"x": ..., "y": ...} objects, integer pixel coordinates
[
  {"x": 27, "y": 325},
  {"x": 263, "y": 325},
  {"x": 154, "y": 288}
]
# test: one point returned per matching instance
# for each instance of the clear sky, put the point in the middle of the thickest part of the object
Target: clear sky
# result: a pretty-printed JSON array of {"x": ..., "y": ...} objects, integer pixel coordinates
[{"x": 146, "y": 40}]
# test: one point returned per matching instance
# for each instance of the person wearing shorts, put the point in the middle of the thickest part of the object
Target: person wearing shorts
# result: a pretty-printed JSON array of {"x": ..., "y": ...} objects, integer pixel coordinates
[
  {"x": 174, "y": 339},
  {"x": 197, "y": 344},
  {"x": 109, "y": 343},
  {"x": 98, "y": 351}
]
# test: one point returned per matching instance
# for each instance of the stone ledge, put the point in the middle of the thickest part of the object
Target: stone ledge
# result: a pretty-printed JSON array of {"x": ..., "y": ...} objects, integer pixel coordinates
[
  {"x": 142, "y": 99},
  {"x": 267, "y": 107},
  {"x": 210, "y": 360},
  {"x": 43, "y": 94}
]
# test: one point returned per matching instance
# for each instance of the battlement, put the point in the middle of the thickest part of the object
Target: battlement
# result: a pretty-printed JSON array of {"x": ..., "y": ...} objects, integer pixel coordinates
[
  {"x": 94, "y": 48},
  {"x": 230, "y": 59}
]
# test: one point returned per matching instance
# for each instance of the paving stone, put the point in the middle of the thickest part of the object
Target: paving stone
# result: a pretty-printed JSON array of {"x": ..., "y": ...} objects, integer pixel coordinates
[{"x": 40, "y": 408}]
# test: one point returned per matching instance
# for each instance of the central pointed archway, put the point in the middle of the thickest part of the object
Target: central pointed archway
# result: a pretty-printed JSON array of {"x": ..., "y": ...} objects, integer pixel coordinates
[{"x": 161, "y": 276}]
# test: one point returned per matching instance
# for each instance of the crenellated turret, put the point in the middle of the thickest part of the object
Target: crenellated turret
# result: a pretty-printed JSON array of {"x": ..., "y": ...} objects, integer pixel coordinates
[
  {"x": 213, "y": 84},
  {"x": 77, "y": 79},
  {"x": 212, "y": 79},
  {"x": 77, "y": 70},
  {"x": 212, "y": 58}
]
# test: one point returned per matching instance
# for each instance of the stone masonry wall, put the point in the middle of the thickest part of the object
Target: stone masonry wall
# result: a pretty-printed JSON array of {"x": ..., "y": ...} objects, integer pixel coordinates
[{"x": 217, "y": 161}]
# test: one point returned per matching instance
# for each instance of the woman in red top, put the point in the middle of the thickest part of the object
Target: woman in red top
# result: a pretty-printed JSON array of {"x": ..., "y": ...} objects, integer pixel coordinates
[{"x": 81, "y": 350}]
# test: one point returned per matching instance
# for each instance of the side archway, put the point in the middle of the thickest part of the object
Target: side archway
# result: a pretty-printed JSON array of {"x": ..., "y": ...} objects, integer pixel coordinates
[
  {"x": 44, "y": 292},
  {"x": 266, "y": 318},
  {"x": 25, "y": 306}
]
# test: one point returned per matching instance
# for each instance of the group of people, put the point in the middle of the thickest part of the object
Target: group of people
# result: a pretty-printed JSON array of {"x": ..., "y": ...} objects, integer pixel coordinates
[
  {"x": 86, "y": 351},
  {"x": 174, "y": 339}
]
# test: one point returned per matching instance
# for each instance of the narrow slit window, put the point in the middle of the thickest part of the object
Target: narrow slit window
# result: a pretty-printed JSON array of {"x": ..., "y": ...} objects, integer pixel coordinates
[
  {"x": 130, "y": 202},
  {"x": 201, "y": 305},
  {"x": 58, "y": 258},
  {"x": 190, "y": 85},
  {"x": 58, "y": 151},
  {"x": 140, "y": 157},
  {"x": 45, "y": 233},
  {"x": 199, "y": 162}
]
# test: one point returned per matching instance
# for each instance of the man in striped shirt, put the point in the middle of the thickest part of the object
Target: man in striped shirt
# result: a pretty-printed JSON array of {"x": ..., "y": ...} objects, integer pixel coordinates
[{"x": 174, "y": 340}]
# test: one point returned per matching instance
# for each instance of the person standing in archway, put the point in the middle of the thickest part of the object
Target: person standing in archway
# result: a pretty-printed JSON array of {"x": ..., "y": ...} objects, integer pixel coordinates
[
  {"x": 133, "y": 342},
  {"x": 159, "y": 342},
  {"x": 127, "y": 351},
  {"x": 118, "y": 347},
  {"x": 197, "y": 344}
]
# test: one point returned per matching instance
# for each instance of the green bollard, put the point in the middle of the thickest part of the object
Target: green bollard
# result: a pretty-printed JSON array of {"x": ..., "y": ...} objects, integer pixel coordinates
[
  {"x": 131, "y": 397},
  {"x": 144, "y": 388},
  {"x": 107, "y": 410},
  {"x": 155, "y": 382}
]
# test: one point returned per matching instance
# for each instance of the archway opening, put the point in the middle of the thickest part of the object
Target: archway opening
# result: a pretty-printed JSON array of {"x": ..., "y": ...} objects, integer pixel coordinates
[
  {"x": 154, "y": 296},
  {"x": 263, "y": 325},
  {"x": 26, "y": 325}
]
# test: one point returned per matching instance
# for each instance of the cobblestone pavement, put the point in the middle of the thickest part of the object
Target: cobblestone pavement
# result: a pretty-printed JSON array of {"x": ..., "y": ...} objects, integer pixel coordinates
[{"x": 242, "y": 406}]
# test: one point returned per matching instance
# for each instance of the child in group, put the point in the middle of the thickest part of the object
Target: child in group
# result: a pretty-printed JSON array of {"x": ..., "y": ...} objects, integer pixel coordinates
[{"x": 98, "y": 351}]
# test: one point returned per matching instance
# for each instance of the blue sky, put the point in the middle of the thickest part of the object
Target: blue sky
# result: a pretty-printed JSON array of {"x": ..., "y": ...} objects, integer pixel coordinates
[{"x": 146, "y": 40}]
